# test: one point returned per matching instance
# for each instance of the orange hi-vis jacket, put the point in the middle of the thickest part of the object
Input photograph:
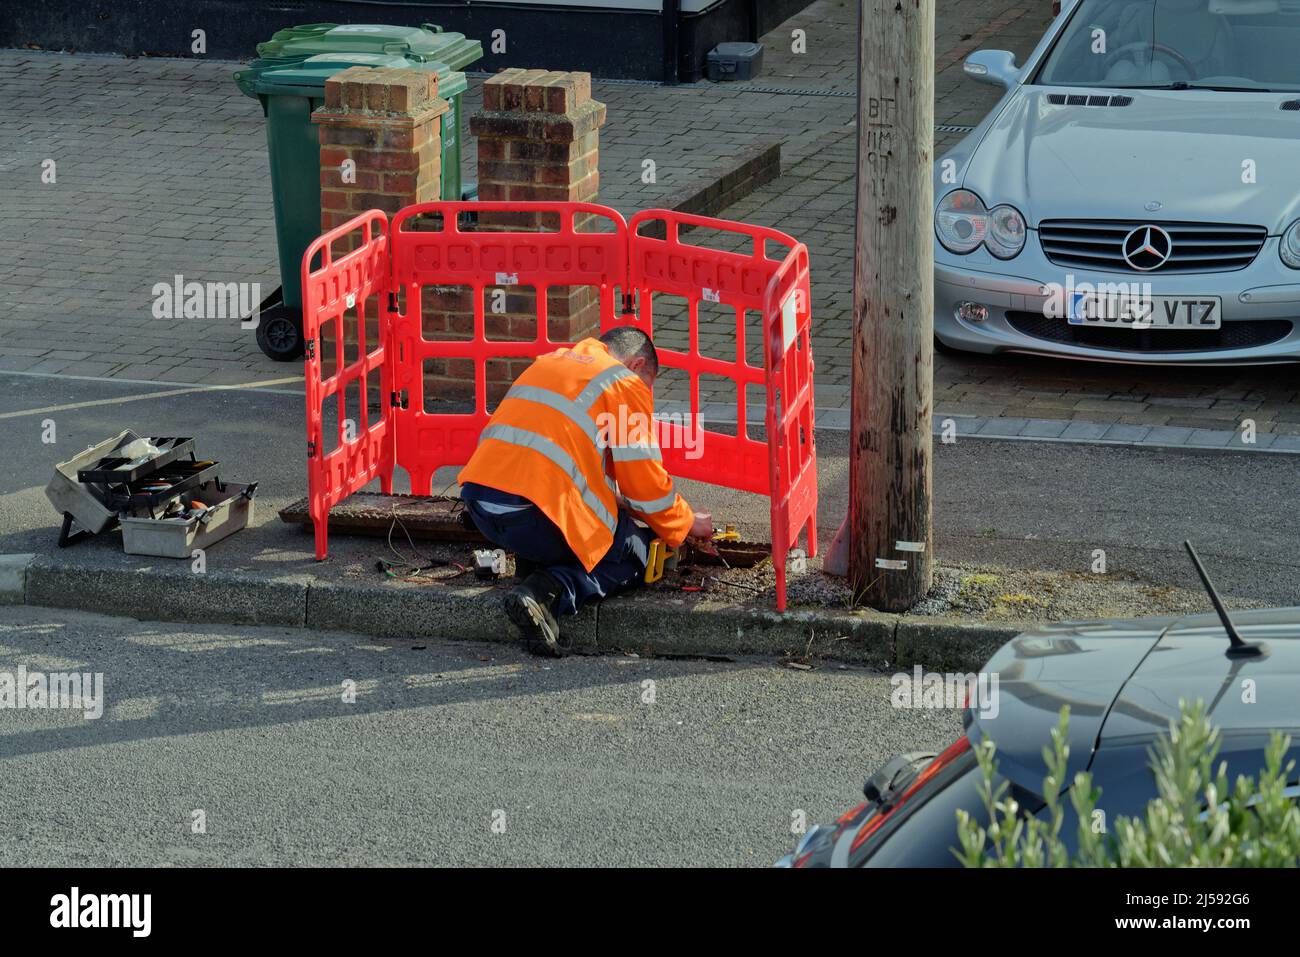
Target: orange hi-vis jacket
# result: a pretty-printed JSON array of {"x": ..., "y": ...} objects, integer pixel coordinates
[{"x": 575, "y": 430}]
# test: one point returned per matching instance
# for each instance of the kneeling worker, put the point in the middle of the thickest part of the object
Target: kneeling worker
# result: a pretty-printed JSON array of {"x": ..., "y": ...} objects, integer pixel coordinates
[{"x": 564, "y": 466}]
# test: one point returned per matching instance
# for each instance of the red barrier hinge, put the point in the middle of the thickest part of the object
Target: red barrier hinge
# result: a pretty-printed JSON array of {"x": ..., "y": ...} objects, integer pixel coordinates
[
  {"x": 400, "y": 400},
  {"x": 311, "y": 450},
  {"x": 311, "y": 348}
]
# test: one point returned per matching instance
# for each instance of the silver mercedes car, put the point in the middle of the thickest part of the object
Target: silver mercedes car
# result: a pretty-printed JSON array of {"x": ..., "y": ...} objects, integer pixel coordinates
[{"x": 1135, "y": 194}]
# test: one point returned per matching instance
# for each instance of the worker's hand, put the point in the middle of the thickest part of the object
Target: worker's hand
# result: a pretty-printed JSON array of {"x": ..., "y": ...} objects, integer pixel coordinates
[{"x": 702, "y": 527}]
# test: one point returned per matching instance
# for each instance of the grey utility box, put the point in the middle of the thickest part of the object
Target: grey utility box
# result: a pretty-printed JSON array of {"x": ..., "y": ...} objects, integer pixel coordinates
[
  {"x": 229, "y": 508},
  {"x": 735, "y": 61}
]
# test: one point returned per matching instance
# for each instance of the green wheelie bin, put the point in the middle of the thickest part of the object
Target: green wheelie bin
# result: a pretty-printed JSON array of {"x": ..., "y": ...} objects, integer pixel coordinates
[{"x": 288, "y": 78}]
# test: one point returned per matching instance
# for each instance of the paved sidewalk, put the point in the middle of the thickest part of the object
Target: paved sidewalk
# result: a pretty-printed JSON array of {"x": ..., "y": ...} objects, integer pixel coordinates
[
  {"x": 160, "y": 170},
  {"x": 997, "y": 508}
]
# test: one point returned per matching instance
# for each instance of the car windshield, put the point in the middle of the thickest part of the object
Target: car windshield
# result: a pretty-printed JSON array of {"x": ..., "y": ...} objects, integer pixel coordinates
[{"x": 1247, "y": 45}]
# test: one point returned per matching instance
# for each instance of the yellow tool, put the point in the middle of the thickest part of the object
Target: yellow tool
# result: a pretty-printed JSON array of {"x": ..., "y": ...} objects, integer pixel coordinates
[{"x": 662, "y": 557}]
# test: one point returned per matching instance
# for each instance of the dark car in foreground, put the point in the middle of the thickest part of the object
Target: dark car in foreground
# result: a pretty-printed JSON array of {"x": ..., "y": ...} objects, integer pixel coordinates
[{"x": 1122, "y": 681}]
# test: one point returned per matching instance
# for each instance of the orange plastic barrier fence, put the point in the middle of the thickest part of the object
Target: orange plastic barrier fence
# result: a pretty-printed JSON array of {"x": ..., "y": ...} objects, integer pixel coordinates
[
  {"x": 760, "y": 277},
  {"x": 344, "y": 299},
  {"x": 763, "y": 273},
  {"x": 790, "y": 412},
  {"x": 430, "y": 249}
]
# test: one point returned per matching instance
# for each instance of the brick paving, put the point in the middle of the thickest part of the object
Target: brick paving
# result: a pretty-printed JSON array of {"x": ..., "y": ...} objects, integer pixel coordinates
[{"x": 161, "y": 171}]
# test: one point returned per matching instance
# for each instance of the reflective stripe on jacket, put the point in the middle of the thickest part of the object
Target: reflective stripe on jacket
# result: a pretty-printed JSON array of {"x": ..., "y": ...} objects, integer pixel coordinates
[{"x": 574, "y": 431}]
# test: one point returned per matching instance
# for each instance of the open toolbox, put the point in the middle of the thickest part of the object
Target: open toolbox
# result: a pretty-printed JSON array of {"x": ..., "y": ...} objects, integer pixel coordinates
[
  {"x": 201, "y": 516},
  {"x": 167, "y": 500}
]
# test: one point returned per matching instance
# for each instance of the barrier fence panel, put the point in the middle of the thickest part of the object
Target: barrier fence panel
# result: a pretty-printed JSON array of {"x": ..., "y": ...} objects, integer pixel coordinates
[
  {"x": 481, "y": 300},
  {"x": 677, "y": 284},
  {"x": 790, "y": 412},
  {"x": 347, "y": 372},
  {"x": 729, "y": 272},
  {"x": 435, "y": 300}
]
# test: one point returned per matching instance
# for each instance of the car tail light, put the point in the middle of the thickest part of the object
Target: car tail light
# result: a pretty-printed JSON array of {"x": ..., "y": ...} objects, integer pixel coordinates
[
  {"x": 850, "y": 815},
  {"x": 951, "y": 754}
]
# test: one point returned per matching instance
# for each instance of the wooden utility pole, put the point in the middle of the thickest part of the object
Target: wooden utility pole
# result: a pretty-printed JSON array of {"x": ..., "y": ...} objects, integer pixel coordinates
[{"x": 890, "y": 452}]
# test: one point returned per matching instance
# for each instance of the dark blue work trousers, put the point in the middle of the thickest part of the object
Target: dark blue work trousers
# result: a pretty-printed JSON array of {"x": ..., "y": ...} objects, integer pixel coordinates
[{"x": 514, "y": 523}]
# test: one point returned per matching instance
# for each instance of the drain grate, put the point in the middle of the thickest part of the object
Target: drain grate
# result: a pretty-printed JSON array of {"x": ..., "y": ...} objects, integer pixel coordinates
[{"x": 790, "y": 91}]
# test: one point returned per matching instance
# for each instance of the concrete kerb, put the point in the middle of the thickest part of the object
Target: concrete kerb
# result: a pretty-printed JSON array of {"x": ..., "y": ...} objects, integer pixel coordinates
[
  {"x": 425, "y": 612},
  {"x": 645, "y": 624},
  {"x": 160, "y": 593},
  {"x": 13, "y": 577},
  {"x": 939, "y": 644},
  {"x": 678, "y": 627}
]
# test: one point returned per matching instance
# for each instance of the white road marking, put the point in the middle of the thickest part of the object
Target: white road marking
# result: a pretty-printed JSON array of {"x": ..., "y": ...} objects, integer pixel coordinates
[
  {"x": 247, "y": 387},
  {"x": 70, "y": 406}
]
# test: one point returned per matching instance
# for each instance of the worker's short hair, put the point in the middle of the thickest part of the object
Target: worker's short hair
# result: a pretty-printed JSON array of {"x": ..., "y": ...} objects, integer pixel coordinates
[{"x": 629, "y": 342}]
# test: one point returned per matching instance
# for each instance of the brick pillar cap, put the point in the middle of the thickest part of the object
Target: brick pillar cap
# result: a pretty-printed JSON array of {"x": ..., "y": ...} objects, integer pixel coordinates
[
  {"x": 382, "y": 91},
  {"x": 536, "y": 91}
]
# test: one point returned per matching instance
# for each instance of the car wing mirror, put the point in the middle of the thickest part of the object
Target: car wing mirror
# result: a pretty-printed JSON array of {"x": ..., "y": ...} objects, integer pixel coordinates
[
  {"x": 898, "y": 772},
  {"x": 997, "y": 67}
]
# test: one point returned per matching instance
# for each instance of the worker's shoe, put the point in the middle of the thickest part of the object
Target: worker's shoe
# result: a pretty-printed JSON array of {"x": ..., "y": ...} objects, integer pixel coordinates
[{"x": 528, "y": 605}]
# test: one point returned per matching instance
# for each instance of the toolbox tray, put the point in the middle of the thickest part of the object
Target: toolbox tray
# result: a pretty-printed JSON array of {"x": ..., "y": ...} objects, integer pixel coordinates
[
  {"x": 82, "y": 502},
  {"x": 230, "y": 509},
  {"x": 178, "y": 477},
  {"x": 118, "y": 469}
]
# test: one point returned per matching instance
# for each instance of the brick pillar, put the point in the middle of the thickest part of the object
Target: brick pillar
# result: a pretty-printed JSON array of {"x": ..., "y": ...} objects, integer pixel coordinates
[
  {"x": 538, "y": 140},
  {"x": 388, "y": 122}
]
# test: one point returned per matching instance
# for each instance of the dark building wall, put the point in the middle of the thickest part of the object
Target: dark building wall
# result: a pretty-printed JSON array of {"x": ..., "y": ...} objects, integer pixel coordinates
[{"x": 631, "y": 44}]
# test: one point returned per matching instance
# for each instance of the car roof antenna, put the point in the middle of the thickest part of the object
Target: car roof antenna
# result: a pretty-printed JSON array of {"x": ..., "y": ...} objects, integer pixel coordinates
[{"x": 1237, "y": 647}]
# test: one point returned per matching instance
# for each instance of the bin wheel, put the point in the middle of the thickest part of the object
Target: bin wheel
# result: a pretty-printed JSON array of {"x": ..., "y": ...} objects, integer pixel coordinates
[{"x": 280, "y": 338}]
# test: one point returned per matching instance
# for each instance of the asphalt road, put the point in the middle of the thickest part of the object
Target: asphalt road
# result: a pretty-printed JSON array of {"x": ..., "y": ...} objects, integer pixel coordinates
[
  {"x": 443, "y": 741},
  {"x": 249, "y": 725},
  {"x": 1016, "y": 504}
]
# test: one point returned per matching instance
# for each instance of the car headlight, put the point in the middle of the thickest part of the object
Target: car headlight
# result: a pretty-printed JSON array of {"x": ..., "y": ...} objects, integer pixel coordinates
[
  {"x": 1006, "y": 235},
  {"x": 963, "y": 223},
  {"x": 1290, "y": 246}
]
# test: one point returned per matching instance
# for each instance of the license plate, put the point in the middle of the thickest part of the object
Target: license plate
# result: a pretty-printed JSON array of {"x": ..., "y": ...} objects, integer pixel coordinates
[{"x": 1146, "y": 312}]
